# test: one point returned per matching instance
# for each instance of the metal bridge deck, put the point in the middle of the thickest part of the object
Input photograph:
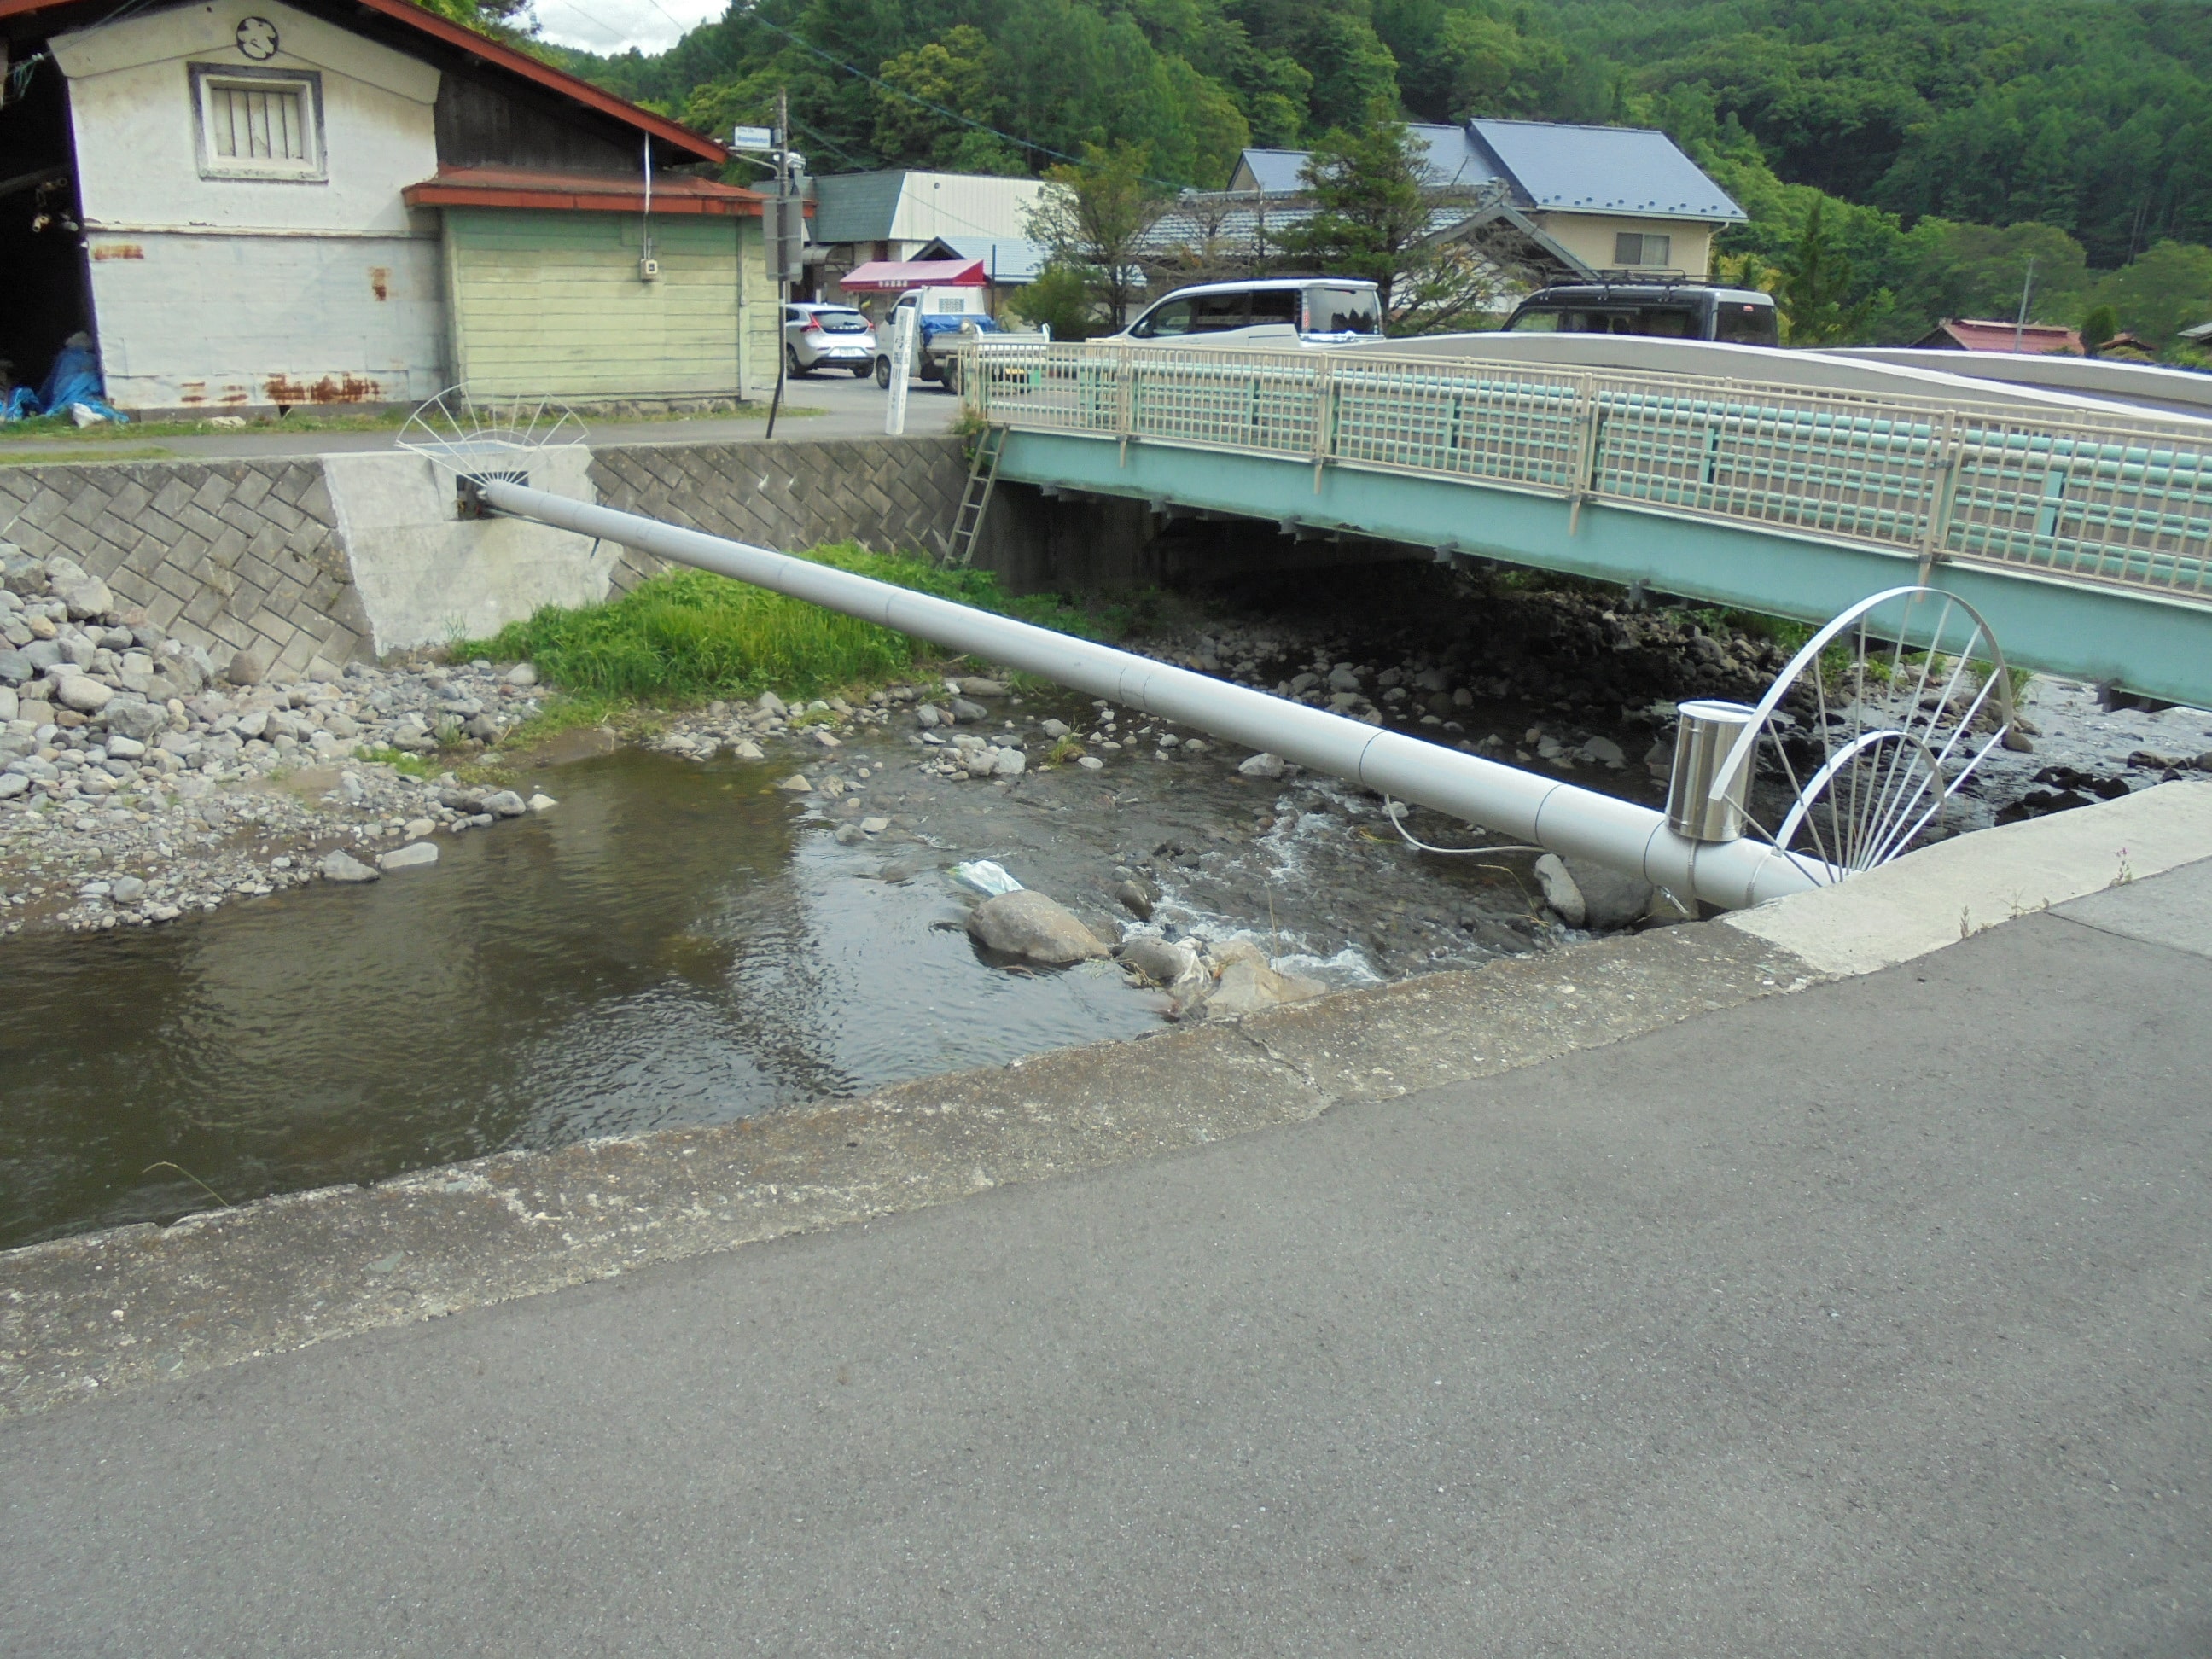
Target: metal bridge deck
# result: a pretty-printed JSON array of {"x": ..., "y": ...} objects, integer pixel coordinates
[{"x": 2084, "y": 536}]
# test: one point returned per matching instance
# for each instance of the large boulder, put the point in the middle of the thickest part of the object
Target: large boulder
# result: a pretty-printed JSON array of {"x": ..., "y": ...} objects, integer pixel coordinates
[
  {"x": 1561, "y": 890},
  {"x": 1610, "y": 899},
  {"x": 1157, "y": 959},
  {"x": 1030, "y": 926}
]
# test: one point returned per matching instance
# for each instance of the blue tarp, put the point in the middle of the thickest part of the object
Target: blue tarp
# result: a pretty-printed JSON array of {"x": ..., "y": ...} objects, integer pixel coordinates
[{"x": 74, "y": 378}]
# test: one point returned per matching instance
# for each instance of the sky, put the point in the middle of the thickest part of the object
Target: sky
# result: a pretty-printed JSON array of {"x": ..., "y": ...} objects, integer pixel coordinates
[{"x": 612, "y": 26}]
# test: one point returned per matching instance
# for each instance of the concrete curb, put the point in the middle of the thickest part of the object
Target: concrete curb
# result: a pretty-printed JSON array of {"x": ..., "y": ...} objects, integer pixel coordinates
[
  {"x": 82, "y": 1317},
  {"x": 1945, "y": 893}
]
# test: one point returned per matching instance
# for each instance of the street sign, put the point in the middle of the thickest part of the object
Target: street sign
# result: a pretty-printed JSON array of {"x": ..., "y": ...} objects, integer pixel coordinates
[{"x": 753, "y": 139}]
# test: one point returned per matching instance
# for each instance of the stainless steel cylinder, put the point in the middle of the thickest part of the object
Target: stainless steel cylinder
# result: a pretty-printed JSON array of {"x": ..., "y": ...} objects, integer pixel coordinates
[{"x": 1709, "y": 729}]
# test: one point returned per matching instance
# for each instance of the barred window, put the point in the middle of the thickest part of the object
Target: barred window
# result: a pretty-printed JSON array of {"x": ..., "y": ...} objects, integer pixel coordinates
[{"x": 260, "y": 123}]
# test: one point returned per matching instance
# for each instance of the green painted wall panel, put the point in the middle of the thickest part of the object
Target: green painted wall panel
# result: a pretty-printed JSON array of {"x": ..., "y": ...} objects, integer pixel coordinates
[{"x": 551, "y": 304}]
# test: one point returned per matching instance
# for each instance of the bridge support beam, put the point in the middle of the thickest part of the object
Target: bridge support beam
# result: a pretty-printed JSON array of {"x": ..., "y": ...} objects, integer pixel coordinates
[{"x": 2159, "y": 647}]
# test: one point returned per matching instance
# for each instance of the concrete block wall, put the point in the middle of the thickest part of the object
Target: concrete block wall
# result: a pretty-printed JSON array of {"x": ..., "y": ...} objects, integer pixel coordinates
[
  {"x": 894, "y": 495},
  {"x": 229, "y": 554},
  {"x": 343, "y": 557}
]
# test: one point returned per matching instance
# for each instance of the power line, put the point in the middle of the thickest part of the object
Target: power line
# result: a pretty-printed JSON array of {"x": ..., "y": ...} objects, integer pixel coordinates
[{"x": 881, "y": 85}]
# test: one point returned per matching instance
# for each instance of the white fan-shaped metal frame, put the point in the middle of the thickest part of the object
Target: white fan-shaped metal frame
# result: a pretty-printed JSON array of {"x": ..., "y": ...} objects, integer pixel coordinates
[
  {"x": 1922, "y": 700},
  {"x": 475, "y": 437}
]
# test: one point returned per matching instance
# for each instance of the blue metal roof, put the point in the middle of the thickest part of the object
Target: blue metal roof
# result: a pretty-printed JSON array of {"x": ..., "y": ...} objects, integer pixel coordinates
[
  {"x": 1452, "y": 159},
  {"x": 1006, "y": 259},
  {"x": 1626, "y": 170}
]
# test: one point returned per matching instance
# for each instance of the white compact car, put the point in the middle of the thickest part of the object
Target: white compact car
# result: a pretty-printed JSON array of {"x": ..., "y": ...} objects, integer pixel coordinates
[
  {"x": 827, "y": 337},
  {"x": 1263, "y": 311}
]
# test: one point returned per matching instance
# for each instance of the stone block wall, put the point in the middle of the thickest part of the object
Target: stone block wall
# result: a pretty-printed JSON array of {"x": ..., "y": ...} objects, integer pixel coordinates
[
  {"x": 266, "y": 553},
  {"x": 894, "y": 495},
  {"x": 228, "y": 554}
]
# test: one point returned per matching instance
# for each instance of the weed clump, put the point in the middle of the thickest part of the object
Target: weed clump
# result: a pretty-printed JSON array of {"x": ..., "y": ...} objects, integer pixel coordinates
[{"x": 687, "y": 633}]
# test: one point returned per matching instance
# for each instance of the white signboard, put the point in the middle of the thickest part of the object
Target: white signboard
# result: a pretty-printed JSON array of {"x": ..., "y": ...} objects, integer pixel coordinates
[{"x": 753, "y": 139}]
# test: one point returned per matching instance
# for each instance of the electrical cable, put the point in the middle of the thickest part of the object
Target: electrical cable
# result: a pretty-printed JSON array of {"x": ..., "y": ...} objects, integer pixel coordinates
[
  {"x": 1392, "y": 810},
  {"x": 804, "y": 45}
]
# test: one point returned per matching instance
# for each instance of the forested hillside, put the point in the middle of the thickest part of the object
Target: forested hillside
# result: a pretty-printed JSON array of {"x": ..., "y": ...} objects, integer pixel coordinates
[{"x": 1923, "y": 128}]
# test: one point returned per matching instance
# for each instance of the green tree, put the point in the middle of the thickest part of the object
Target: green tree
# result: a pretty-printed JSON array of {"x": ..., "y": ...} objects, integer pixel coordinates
[
  {"x": 2098, "y": 329},
  {"x": 1369, "y": 205},
  {"x": 1818, "y": 286},
  {"x": 1061, "y": 300},
  {"x": 1093, "y": 220},
  {"x": 956, "y": 73},
  {"x": 2161, "y": 293}
]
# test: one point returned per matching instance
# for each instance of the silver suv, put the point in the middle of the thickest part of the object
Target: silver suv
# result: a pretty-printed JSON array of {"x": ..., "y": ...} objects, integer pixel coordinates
[
  {"x": 827, "y": 337},
  {"x": 1262, "y": 311}
]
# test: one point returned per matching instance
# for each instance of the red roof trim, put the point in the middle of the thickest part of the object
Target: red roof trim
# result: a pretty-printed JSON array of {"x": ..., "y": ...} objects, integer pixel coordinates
[
  {"x": 499, "y": 55},
  {"x": 566, "y": 193}
]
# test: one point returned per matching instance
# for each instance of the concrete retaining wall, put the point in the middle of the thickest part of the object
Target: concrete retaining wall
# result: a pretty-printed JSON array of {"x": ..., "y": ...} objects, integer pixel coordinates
[{"x": 330, "y": 559}]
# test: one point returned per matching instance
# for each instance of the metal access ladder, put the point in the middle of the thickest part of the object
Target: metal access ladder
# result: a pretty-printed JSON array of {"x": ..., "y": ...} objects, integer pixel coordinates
[{"x": 976, "y": 499}]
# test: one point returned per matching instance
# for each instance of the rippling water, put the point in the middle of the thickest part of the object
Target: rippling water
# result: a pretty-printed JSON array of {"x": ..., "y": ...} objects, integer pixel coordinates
[{"x": 668, "y": 946}]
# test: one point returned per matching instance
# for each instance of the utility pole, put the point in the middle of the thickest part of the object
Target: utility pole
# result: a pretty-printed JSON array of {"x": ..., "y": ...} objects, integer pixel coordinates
[
  {"x": 2020, "y": 323},
  {"x": 779, "y": 230}
]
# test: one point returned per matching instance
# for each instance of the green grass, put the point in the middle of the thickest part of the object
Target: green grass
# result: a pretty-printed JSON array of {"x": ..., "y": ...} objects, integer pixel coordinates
[
  {"x": 400, "y": 760},
  {"x": 687, "y": 635}
]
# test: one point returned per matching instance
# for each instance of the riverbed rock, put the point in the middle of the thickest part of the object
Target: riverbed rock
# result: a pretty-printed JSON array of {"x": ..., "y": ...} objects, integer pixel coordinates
[
  {"x": 127, "y": 890},
  {"x": 1610, "y": 899},
  {"x": 874, "y": 826},
  {"x": 1156, "y": 958},
  {"x": 338, "y": 865},
  {"x": 85, "y": 594},
  {"x": 84, "y": 694},
  {"x": 413, "y": 856},
  {"x": 1054, "y": 729},
  {"x": 969, "y": 712},
  {"x": 1247, "y": 984},
  {"x": 975, "y": 686},
  {"x": 136, "y": 719},
  {"x": 1030, "y": 926},
  {"x": 15, "y": 667},
  {"x": 1137, "y": 897},
  {"x": 1343, "y": 678},
  {"x": 1092, "y": 763},
  {"x": 522, "y": 673},
  {"x": 929, "y": 714},
  {"x": 506, "y": 804},
  {"x": 1011, "y": 763},
  {"x": 798, "y": 784},
  {"x": 247, "y": 667},
  {"x": 1262, "y": 765},
  {"x": 1560, "y": 891},
  {"x": 850, "y": 834},
  {"x": 768, "y": 703},
  {"x": 541, "y": 802},
  {"x": 745, "y": 749}
]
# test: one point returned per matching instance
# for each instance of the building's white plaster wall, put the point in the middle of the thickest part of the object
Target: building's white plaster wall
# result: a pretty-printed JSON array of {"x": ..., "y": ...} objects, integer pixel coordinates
[{"x": 230, "y": 292}]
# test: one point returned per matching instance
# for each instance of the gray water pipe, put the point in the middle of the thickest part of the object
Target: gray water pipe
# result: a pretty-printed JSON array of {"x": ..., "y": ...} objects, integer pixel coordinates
[{"x": 1521, "y": 806}]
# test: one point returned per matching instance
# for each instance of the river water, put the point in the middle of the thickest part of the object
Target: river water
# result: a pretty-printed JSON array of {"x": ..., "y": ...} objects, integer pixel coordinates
[{"x": 681, "y": 943}]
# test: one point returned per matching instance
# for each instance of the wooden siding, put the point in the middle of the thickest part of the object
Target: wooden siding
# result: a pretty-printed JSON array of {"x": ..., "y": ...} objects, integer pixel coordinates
[{"x": 551, "y": 303}]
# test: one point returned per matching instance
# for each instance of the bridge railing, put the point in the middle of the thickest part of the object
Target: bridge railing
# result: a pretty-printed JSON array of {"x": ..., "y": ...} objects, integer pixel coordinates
[{"x": 2088, "y": 495}]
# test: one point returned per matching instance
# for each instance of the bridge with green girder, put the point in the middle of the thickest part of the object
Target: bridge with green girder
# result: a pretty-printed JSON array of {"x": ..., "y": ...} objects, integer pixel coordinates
[{"x": 2083, "y": 532}]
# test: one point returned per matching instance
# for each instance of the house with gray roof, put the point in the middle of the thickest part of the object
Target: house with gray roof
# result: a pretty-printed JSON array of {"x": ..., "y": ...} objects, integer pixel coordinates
[{"x": 1563, "y": 201}]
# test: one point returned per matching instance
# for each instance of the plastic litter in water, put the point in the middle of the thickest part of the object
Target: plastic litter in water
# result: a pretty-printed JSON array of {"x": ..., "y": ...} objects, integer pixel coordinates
[{"x": 982, "y": 876}]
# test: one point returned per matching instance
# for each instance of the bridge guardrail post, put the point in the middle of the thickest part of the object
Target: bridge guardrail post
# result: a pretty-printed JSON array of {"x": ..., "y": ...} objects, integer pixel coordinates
[
  {"x": 1126, "y": 407},
  {"x": 1585, "y": 452},
  {"x": 1324, "y": 424},
  {"x": 1943, "y": 488}
]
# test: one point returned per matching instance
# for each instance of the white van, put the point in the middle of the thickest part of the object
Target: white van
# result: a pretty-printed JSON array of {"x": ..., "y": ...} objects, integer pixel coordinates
[{"x": 1262, "y": 311}]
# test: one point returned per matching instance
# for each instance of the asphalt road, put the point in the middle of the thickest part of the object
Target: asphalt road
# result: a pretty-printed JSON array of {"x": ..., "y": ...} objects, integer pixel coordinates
[
  {"x": 1869, "y": 1320},
  {"x": 829, "y": 405}
]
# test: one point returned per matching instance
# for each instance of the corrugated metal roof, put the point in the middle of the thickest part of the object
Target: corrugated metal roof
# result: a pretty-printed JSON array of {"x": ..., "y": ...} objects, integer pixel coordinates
[
  {"x": 1004, "y": 258},
  {"x": 1985, "y": 334},
  {"x": 856, "y": 207},
  {"x": 1452, "y": 159},
  {"x": 1626, "y": 170}
]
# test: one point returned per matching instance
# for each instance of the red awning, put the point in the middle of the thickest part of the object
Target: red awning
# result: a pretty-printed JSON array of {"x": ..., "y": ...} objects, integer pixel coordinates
[{"x": 896, "y": 276}]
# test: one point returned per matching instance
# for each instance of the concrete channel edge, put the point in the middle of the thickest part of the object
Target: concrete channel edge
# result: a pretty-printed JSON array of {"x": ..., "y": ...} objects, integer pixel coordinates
[{"x": 85, "y": 1317}]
